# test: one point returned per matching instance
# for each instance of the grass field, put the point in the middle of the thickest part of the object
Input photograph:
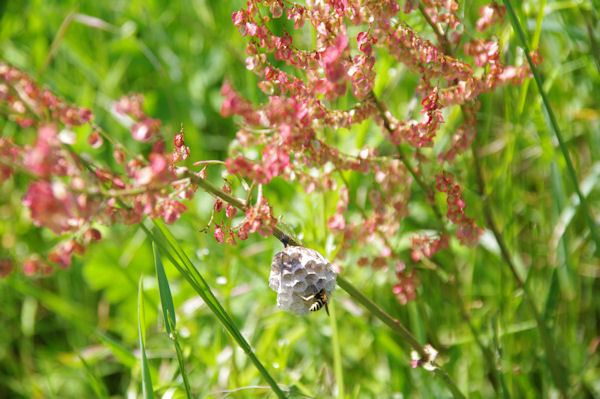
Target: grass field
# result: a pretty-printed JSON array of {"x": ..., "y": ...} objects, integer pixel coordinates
[{"x": 515, "y": 316}]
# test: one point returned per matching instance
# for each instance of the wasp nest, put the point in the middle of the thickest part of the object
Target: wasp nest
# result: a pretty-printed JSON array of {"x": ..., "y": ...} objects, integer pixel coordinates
[{"x": 298, "y": 273}]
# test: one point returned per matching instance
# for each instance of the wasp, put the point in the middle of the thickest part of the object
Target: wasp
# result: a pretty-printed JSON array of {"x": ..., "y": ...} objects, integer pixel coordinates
[{"x": 317, "y": 300}]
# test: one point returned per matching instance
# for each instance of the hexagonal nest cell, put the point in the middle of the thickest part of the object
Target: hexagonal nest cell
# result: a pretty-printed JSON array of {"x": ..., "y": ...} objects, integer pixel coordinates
[{"x": 298, "y": 272}]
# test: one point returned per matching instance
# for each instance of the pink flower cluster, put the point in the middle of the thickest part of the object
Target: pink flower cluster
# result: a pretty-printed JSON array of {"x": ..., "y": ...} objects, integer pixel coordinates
[
  {"x": 258, "y": 218},
  {"x": 490, "y": 14},
  {"x": 296, "y": 110},
  {"x": 419, "y": 134},
  {"x": 181, "y": 152},
  {"x": 288, "y": 140},
  {"x": 468, "y": 232},
  {"x": 331, "y": 66},
  {"x": 27, "y": 103},
  {"x": 426, "y": 245},
  {"x": 144, "y": 129},
  {"x": 55, "y": 206},
  {"x": 405, "y": 289},
  {"x": 289, "y": 130},
  {"x": 68, "y": 193}
]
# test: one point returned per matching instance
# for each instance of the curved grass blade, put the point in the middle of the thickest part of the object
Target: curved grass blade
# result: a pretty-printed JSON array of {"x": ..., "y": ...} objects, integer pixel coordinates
[
  {"x": 406, "y": 335},
  {"x": 554, "y": 128},
  {"x": 146, "y": 378},
  {"x": 337, "y": 352},
  {"x": 166, "y": 301},
  {"x": 119, "y": 351},
  {"x": 376, "y": 311},
  {"x": 568, "y": 212},
  {"x": 95, "y": 382},
  {"x": 170, "y": 247},
  {"x": 179, "y": 352}
]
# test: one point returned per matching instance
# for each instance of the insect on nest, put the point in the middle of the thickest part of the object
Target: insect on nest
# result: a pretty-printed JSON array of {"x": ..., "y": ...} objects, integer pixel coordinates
[{"x": 303, "y": 280}]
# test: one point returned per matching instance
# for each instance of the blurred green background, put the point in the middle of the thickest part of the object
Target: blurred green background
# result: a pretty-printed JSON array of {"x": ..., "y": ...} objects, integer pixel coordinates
[{"x": 74, "y": 334}]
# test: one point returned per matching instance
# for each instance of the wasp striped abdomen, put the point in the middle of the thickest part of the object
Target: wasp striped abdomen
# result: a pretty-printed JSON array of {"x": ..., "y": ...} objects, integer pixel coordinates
[
  {"x": 303, "y": 280},
  {"x": 317, "y": 301}
]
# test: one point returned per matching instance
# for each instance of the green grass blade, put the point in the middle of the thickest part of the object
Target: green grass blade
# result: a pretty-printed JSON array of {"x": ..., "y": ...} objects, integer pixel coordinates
[
  {"x": 337, "y": 352},
  {"x": 535, "y": 40},
  {"x": 73, "y": 312},
  {"x": 381, "y": 314},
  {"x": 74, "y": 315},
  {"x": 568, "y": 211},
  {"x": 398, "y": 328},
  {"x": 170, "y": 247},
  {"x": 122, "y": 353},
  {"x": 179, "y": 259},
  {"x": 146, "y": 378},
  {"x": 554, "y": 128},
  {"x": 95, "y": 382},
  {"x": 166, "y": 301},
  {"x": 498, "y": 353},
  {"x": 179, "y": 352}
]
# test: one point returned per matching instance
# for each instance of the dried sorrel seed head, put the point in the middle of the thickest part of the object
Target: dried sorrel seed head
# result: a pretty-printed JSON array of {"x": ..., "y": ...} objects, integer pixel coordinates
[{"x": 298, "y": 272}]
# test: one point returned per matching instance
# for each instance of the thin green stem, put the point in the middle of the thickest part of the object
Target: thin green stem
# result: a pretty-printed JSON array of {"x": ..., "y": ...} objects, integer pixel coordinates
[
  {"x": 441, "y": 37},
  {"x": 217, "y": 192},
  {"x": 169, "y": 246},
  {"x": 373, "y": 308},
  {"x": 397, "y": 327},
  {"x": 557, "y": 132},
  {"x": 429, "y": 195},
  {"x": 62, "y": 30},
  {"x": 557, "y": 370},
  {"x": 184, "y": 376},
  {"x": 337, "y": 352}
]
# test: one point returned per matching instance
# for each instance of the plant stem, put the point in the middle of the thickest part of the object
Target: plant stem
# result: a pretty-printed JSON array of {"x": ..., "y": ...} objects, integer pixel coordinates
[
  {"x": 337, "y": 352},
  {"x": 429, "y": 195},
  {"x": 558, "y": 372},
  {"x": 371, "y": 306},
  {"x": 170, "y": 247},
  {"x": 374, "y": 309},
  {"x": 557, "y": 132},
  {"x": 217, "y": 192},
  {"x": 441, "y": 37}
]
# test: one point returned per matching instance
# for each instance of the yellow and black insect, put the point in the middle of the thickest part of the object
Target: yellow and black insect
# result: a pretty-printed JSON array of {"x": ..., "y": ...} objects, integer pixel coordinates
[{"x": 317, "y": 301}]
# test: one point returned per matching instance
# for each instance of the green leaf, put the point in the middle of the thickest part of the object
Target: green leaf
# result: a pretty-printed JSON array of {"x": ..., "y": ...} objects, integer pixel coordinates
[
  {"x": 121, "y": 352},
  {"x": 166, "y": 300},
  {"x": 146, "y": 378},
  {"x": 553, "y": 127},
  {"x": 95, "y": 382},
  {"x": 163, "y": 238}
]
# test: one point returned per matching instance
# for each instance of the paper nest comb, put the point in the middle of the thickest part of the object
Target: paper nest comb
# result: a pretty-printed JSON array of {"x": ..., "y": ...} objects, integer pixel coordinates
[{"x": 299, "y": 271}]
